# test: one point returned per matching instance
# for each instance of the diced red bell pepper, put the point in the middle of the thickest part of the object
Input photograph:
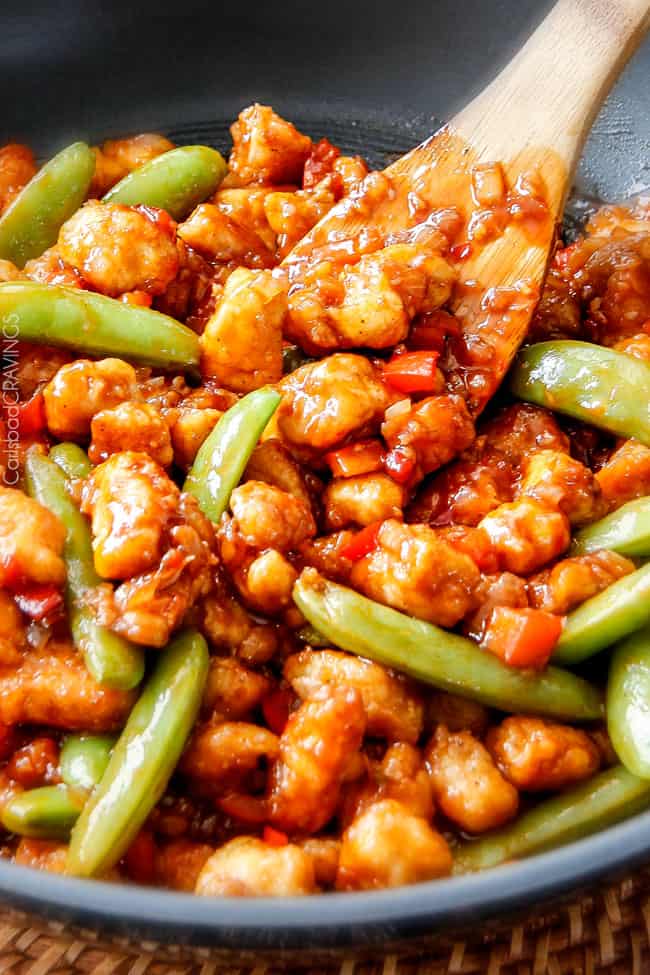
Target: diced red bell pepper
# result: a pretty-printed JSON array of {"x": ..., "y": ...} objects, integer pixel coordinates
[
  {"x": 400, "y": 465},
  {"x": 140, "y": 858},
  {"x": 31, "y": 416},
  {"x": 363, "y": 543},
  {"x": 474, "y": 542},
  {"x": 40, "y": 601},
  {"x": 275, "y": 708},
  {"x": 522, "y": 637},
  {"x": 460, "y": 252},
  {"x": 429, "y": 331},
  {"x": 358, "y": 458},
  {"x": 319, "y": 163},
  {"x": 12, "y": 573},
  {"x": 140, "y": 298},
  {"x": 273, "y": 837},
  {"x": 413, "y": 372}
]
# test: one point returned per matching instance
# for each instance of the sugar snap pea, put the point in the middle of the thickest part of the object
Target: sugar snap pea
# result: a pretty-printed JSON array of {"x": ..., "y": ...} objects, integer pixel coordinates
[
  {"x": 433, "y": 655},
  {"x": 109, "y": 658},
  {"x": 626, "y": 531},
  {"x": 72, "y": 460},
  {"x": 51, "y": 811},
  {"x": 602, "y": 387},
  {"x": 95, "y": 325},
  {"x": 32, "y": 223},
  {"x": 143, "y": 759},
  {"x": 606, "y": 618},
  {"x": 48, "y": 813},
  {"x": 308, "y": 634},
  {"x": 628, "y": 702},
  {"x": 221, "y": 459},
  {"x": 84, "y": 759},
  {"x": 591, "y": 806},
  {"x": 175, "y": 181}
]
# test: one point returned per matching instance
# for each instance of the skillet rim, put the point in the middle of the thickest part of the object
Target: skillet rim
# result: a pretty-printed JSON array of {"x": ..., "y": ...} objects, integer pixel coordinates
[{"x": 331, "y": 920}]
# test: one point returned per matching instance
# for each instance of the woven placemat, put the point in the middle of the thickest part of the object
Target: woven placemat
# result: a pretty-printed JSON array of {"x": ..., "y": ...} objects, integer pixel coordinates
[{"x": 607, "y": 930}]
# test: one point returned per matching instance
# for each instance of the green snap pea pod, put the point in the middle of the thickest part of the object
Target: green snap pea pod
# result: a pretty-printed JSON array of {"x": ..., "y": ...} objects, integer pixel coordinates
[
  {"x": 433, "y": 655},
  {"x": 221, "y": 459},
  {"x": 32, "y": 223},
  {"x": 51, "y": 812},
  {"x": 606, "y": 618},
  {"x": 311, "y": 636},
  {"x": 84, "y": 759},
  {"x": 175, "y": 181},
  {"x": 72, "y": 460},
  {"x": 48, "y": 813},
  {"x": 599, "y": 386},
  {"x": 626, "y": 531},
  {"x": 143, "y": 758},
  {"x": 589, "y": 807},
  {"x": 628, "y": 702},
  {"x": 109, "y": 658},
  {"x": 95, "y": 325}
]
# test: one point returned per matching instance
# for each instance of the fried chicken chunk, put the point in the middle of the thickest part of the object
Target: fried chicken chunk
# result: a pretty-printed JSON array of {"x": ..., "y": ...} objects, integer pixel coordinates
[
  {"x": 539, "y": 756},
  {"x": 248, "y": 867},
  {"x": 387, "y": 846},
  {"x": 325, "y": 402},
  {"x": 417, "y": 572},
  {"x": 241, "y": 346},
  {"x": 81, "y": 389},
  {"x": 31, "y": 541},
  {"x": 119, "y": 249},
  {"x": 266, "y": 148}
]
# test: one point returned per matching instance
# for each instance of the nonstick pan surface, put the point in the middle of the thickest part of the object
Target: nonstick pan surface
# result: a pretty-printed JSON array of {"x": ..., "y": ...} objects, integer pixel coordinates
[{"x": 373, "y": 77}]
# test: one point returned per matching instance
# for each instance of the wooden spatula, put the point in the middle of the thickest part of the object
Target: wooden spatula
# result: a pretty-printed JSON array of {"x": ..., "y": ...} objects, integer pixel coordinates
[{"x": 531, "y": 121}]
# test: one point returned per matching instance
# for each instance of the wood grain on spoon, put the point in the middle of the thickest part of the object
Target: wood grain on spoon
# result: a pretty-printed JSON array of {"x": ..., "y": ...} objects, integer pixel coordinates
[{"x": 531, "y": 122}]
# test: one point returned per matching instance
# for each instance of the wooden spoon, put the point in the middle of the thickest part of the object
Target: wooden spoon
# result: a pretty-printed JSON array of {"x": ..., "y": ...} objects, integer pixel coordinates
[{"x": 532, "y": 120}]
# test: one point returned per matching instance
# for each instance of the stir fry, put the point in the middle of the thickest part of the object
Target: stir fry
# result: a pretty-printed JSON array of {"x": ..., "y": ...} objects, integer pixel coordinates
[{"x": 286, "y": 607}]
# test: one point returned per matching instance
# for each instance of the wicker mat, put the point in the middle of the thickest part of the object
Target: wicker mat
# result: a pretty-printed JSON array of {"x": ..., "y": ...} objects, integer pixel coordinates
[{"x": 606, "y": 931}]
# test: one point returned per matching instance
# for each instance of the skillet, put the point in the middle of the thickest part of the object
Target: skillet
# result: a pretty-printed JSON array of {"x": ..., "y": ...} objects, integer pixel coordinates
[{"x": 373, "y": 77}]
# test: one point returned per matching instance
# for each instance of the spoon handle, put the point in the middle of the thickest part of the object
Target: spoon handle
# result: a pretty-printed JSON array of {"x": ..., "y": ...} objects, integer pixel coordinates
[{"x": 550, "y": 92}]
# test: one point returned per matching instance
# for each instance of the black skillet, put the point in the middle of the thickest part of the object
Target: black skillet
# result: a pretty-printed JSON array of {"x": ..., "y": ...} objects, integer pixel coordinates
[{"x": 372, "y": 76}]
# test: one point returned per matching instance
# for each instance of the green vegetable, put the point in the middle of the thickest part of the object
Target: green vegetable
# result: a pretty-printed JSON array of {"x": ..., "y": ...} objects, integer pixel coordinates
[
  {"x": 628, "y": 703},
  {"x": 175, "y": 181},
  {"x": 32, "y": 223},
  {"x": 606, "y": 618},
  {"x": 443, "y": 659},
  {"x": 48, "y": 813},
  {"x": 72, "y": 460},
  {"x": 84, "y": 759},
  {"x": 221, "y": 459},
  {"x": 591, "y": 806},
  {"x": 311, "y": 636},
  {"x": 143, "y": 759},
  {"x": 94, "y": 325},
  {"x": 626, "y": 531},
  {"x": 109, "y": 658},
  {"x": 599, "y": 386}
]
